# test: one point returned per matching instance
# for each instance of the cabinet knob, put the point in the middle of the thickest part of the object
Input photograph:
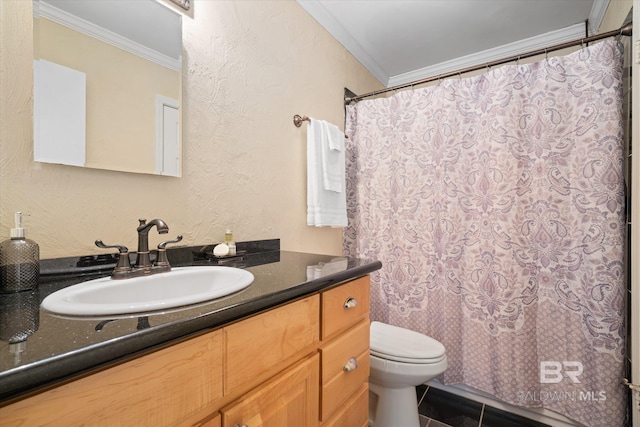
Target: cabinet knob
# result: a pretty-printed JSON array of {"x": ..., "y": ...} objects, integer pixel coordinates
[
  {"x": 351, "y": 365},
  {"x": 351, "y": 302}
]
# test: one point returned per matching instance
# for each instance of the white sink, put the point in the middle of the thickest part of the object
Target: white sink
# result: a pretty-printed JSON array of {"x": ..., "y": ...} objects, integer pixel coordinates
[{"x": 176, "y": 288}]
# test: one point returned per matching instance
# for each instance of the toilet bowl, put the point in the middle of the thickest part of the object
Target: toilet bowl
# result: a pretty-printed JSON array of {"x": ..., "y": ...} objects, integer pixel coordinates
[{"x": 401, "y": 359}]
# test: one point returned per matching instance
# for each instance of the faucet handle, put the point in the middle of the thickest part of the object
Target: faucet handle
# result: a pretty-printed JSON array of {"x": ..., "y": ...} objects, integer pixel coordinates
[
  {"x": 121, "y": 249},
  {"x": 163, "y": 245},
  {"x": 162, "y": 261},
  {"x": 123, "y": 266}
]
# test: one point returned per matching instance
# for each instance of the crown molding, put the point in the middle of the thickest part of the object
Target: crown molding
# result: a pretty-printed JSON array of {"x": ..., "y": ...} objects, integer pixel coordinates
[
  {"x": 598, "y": 10},
  {"x": 512, "y": 49},
  {"x": 573, "y": 32},
  {"x": 44, "y": 10},
  {"x": 326, "y": 20}
]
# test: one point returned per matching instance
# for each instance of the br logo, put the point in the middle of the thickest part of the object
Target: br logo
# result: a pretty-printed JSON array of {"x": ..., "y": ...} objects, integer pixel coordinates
[{"x": 552, "y": 372}]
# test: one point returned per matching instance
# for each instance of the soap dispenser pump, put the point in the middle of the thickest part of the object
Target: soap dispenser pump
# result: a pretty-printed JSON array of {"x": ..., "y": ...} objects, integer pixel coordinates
[{"x": 19, "y": 261}]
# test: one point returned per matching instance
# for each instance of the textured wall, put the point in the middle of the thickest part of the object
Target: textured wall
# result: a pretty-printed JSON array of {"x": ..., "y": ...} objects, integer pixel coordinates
[{"x": 249, "y": 66}]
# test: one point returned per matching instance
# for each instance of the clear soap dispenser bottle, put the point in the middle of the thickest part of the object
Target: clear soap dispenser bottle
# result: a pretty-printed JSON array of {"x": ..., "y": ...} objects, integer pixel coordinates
[{"x": 19, "y": 261}]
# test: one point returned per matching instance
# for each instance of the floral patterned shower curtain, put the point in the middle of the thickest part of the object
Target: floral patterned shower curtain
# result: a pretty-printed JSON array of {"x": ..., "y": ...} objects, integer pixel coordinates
[{"x": 496, "y": 205}]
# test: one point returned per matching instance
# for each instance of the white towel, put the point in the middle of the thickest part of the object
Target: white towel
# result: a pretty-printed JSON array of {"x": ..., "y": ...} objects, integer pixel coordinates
[
  {"x": 325, "y": 208},
  {"x": 332, "y": 157}
]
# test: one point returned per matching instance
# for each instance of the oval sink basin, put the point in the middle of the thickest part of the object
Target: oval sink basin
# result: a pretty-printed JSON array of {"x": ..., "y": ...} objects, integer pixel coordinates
[{"x": 176, "y": 288}]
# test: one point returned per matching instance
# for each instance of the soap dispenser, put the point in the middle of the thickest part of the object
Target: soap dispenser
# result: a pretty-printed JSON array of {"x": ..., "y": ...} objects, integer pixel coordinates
[{"x": 19, "y": 261}]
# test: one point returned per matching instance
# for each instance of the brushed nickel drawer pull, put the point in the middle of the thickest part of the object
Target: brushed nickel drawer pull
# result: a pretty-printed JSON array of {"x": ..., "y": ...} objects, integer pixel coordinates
[
  {"x": 238, "y": 425},
  {"x": 351, "y": 365},
  {"x": 351, "y": 302}
]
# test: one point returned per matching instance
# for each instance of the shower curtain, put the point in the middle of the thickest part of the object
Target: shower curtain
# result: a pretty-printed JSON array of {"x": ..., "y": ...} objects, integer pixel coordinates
[{"x": 496, "y": 205}]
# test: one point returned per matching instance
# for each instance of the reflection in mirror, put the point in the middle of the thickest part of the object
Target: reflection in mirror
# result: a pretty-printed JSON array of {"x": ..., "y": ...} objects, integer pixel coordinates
[
  {"x": 107, "y": 85},
  {"x": 185, "y": 4}
]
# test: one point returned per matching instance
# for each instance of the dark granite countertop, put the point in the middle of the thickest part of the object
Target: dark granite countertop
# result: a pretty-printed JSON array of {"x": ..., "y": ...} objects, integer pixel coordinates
[{"x": 53, "y": 349}]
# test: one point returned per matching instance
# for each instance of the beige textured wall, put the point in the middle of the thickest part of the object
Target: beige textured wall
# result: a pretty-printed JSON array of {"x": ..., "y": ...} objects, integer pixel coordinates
[{"x": 249, "y": 66}]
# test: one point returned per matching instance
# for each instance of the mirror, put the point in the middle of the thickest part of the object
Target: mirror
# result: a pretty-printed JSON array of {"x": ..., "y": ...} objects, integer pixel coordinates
[{"x": 107, "y": 85}]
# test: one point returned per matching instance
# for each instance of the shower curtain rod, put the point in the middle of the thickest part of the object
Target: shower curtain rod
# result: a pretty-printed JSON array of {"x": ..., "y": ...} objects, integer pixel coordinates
[{"x": 626, "y": 30}]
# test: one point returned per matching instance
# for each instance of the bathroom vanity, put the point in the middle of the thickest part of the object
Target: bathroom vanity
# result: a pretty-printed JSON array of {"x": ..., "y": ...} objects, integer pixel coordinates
[{"x": 290, "y": 350}]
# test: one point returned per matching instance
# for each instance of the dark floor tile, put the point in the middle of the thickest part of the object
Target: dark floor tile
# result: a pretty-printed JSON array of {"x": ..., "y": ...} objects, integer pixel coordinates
[
  {"x": 450, "y": 409},
  {"x": 496, "y": 418},
  {"x": 420, "y": 391},
  {"x": 424, "y": 421},
  {"x": 434, "y": 423}
]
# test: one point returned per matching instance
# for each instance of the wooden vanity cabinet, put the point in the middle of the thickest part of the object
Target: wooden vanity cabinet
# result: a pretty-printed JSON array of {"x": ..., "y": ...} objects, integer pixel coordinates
[
  {"x": 344, "y": 352},
  {"x": 283, "y": 367},
  {"x": 333, "y": 389},
  {"x": 258, "y": 347},
  {"x": 153, "y": 390}
]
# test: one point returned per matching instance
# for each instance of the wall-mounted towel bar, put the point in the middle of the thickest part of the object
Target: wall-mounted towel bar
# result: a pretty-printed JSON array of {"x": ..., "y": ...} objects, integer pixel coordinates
[{"x": 298, "y": 119}]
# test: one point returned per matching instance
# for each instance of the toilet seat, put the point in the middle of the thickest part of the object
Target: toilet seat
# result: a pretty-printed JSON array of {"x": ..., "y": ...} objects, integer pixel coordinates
[{"x": 402, "y": 345}]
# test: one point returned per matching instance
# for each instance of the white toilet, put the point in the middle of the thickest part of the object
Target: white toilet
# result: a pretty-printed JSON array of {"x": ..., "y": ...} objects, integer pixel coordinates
[{"x": 401, "y": 359}]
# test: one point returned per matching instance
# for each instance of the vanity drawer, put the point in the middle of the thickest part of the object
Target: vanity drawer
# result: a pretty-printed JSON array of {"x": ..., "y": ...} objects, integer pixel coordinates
[
  {"x": 344, "y": 306},
  {"x": 257, "y": 348},
  {"x": 345, "y": 367},
  {"x": 354, "y": 412}
]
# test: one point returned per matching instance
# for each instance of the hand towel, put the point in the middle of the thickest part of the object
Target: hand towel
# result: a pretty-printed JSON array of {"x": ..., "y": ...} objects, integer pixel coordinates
[
  {"x": 325, "y": 208},
  {"x": 332, "y": 157}
]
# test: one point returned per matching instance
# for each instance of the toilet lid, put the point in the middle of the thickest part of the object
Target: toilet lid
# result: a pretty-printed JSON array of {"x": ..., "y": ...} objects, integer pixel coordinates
[{"x": 404, "y": 345}]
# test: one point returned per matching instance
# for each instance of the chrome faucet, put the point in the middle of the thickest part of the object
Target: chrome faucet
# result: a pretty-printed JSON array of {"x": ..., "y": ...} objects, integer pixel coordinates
[{"x": 142, "y": 265}]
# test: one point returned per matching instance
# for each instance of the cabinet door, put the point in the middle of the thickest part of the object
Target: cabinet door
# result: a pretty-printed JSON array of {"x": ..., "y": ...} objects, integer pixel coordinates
[
  {"x": 212, "y": 421},
  {"x": 261, "y": 346},
  {"x": 288, "y": 400},
  {"x": 158, "y": 389}
]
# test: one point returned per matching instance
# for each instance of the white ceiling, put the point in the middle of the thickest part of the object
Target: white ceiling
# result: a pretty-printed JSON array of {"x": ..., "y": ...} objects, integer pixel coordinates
[{"x": 400, "y": 41}]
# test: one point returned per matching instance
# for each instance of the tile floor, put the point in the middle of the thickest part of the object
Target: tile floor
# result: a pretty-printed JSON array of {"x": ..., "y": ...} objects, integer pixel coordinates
[{"x": 438, "y": 408}]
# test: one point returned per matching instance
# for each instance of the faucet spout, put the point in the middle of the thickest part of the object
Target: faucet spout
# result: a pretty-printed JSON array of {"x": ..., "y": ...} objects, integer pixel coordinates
[{"x": 142, "y": 258}]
